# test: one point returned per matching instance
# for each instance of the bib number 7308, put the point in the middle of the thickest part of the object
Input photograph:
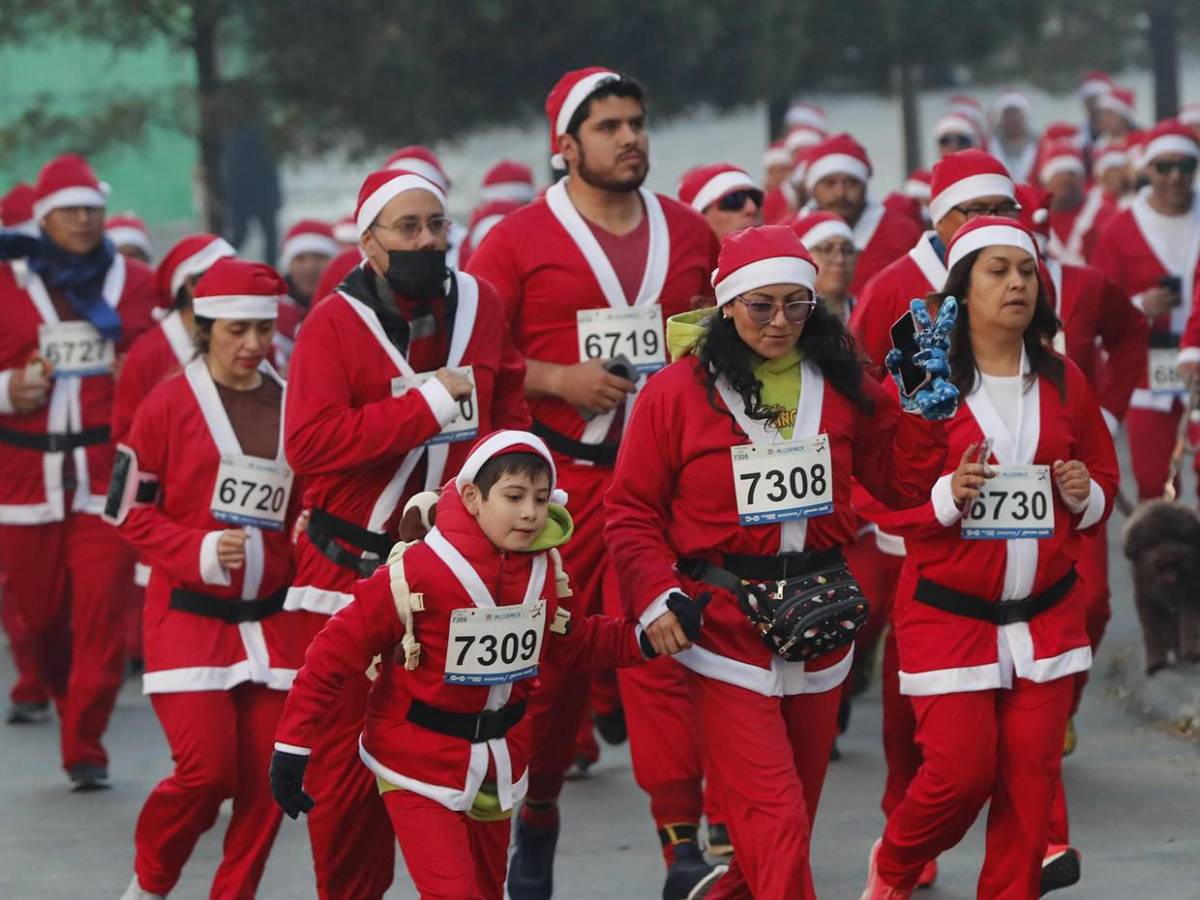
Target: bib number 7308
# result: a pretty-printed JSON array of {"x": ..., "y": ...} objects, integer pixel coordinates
[
  {"x": 783, "y": 481},
  {"x": 1016, "y": 503}
]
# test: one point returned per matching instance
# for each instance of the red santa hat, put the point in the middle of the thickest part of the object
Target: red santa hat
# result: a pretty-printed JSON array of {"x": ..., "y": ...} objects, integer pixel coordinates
[
  {"x": 1168, "y": 136},
  {"x": 989, "y": 231},
  {"x": 345, "y": 231},
  {"x": 1113, "y": 156},
  {"x": 777, "y": 155},
  {"x": 501, "y": 443},
  {"x": 192, "y": 255},
  {"x": 67, "y": 180},
  {"x": 957, "y": 123},
  {"x": 816, "y": 228},
  {"x": 421, "y": 160},
  {"x": 239, "y": 289},
  {"x": 917, "y": 185},
  {"x": 704, "y": 185},
  {"x": 807, "y": 114},
  {"x": 1189, "y": 114},
  {"x": 801, "y": 137},
  {"x": 1060, "y": 156},
  {"x": 565, "y": 98},
  {"x": 1011, "y": 99},
  {"x": 1095, "y": 84},
  {"x": 508, "y": 180},
  {"x": 837, "y": 154},
  {"x": 964, "y": 176},
  {"x": 969, "y": 108},
  {"x": 487, "y": 217},
  {"x": 380, "y": 187},
  {"x": 307, "y": 236},
  {"x": 1121, "y": 101},
  {"x": 755, "y": 257},
  {"x": 127, "y": 229},
  {"x": 16, "y": 209},
  {"x": 1057, "y": 131}
]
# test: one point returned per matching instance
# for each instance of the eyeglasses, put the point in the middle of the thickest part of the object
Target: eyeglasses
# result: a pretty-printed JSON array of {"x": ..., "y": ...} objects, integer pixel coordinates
[
  {"x": 1185, "y": 167},
  {"x": 832, "y": 251},
  {"x": 735, "y": 201},
  {"x": 962, "y": 141},
  {"x": 1007, "y": 209},
  {"x": 410, "y": 228},
  {"x": 762, "y": 312}
]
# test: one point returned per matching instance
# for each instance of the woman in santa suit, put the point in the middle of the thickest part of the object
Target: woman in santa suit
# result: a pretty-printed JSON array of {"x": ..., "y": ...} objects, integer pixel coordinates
[
  {"x": 989, "y": 615},
  {"x": 736, "y": 467},
  {"x": 204, "y": 494}
]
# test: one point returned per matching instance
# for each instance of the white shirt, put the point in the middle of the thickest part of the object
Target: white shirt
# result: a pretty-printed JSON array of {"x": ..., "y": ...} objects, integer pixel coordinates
[{"x": 1005, "y": 393}]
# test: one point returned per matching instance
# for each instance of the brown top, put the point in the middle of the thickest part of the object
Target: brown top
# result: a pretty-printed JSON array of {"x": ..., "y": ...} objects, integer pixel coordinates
[{"x": 255, "y": 416}]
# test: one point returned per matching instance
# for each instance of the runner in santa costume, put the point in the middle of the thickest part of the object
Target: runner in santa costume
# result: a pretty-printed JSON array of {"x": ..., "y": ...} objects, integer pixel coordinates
[
  {"x": 483, "y": 220},
  {"x": 1014, "y": 142},
  {"x": 837, "y": 174},
  {"x": 1072, "y": 209},
  {"x": 1151, "y": 251},
  {"x": 308, "y": 249},
  {"x": 130, "y": 236},
  {"x": 202, "y": 490},
  {"x": 507, "y": 185},
  {"x": 954, "y": 132},
  {"x": 390, "y": 376},
  {"x": 71, "y": 304},
  {"x": 1116, "y": 116},
  {"x": 589, "y": 271},
  {"x": 1092, "y": 86},
  {"x": 725, "y": 195},
  {"x": 778, "y": 196},
  {"x": 989, "y": 615},
  {"x": 830, "y": 242},
  {"x": 703, "y": 500}
]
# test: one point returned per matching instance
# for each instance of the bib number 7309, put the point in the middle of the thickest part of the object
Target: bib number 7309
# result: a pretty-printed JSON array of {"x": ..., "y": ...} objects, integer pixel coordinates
[
  {"x": 1016, "y": 503},
  {"x": 495, "y": 645},
  {"x": 783, "y": 481}
]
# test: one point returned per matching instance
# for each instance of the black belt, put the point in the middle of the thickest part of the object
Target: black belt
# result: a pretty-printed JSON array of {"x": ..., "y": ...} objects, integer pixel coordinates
[
  {"x": 1004, "y": 612},
  {"x": 473, "y": 727},
  {"x": 232, "y": 611},
  {"x": 599, "y": 454},
  {"x": 1165, "y": 340},
  {"x": 56, "y": 442},
  {"x": 323, "y": 527},
  {"x": 737, "y": 567}
]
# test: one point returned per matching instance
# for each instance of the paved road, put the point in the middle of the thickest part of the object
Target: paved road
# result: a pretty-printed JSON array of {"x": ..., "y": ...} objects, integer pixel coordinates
[{"x": 1134, "y": 792}]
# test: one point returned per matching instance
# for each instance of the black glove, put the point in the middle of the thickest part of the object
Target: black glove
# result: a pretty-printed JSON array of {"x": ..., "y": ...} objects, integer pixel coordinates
[
  {"x": 287, "y": 782},
  {"x": 689, "y": 612}
]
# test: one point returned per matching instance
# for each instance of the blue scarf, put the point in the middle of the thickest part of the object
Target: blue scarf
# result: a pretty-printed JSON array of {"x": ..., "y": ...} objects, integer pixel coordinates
[{"x": 79, "y": 278}]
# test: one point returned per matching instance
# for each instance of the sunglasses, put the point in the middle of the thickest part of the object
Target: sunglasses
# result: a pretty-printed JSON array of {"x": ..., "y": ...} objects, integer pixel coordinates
[
  {"x": 736, "y": 200},
  {"x": 955, "y": 140},
  {"x": 1183, "y": 166},
  {"x": 762, "y": 312}
]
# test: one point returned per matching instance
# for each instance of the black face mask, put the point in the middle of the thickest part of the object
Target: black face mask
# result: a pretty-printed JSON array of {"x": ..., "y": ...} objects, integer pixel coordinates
[{"x": 417, "y": 274}]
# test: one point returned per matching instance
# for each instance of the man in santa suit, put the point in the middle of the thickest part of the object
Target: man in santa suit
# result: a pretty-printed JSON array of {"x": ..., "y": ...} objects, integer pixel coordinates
[
  {"x": 507, "y": 185},
  {"x": 1116, "y": 116},
  {"x": 1150, "y": 251},
  {"x": 836, "y": 175},
  {"x": 778, "y": 194},
  {"x": 725, "y": 195},
  {"x": 1061, "y": 171},
  {"x": 589, "y": 271},
  {"x": 391, "y": 377},
  {"x": 71, "y": 304},
  {"x": 307, "y": 250},
  {"x": 130, "y": 236},
  {"x": 1015, "y": 144},
  {"x": 954, "y": 132},
  {"x": 1092, "y": 86}
]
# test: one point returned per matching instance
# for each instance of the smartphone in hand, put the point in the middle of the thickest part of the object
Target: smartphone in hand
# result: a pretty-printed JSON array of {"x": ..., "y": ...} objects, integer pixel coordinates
[{"x": 904, "y": 339}]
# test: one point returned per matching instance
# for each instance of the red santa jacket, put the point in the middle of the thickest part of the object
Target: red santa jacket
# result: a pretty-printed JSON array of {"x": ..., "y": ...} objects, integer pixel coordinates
[
  {"x": 1073, "y": 233},
  {"x": 547, "y": 266},
  {"x": 455, "y": 567},
  {"x": 882, "y": 235},
  {"x": 358, "y": 446},
  {"x": 31, "y": 482},
  {"x": 159, "y": 352},
  {"x": 179, "y": 435},
  {"x": 942, "y": 652},
  {"x": 287, "y": 329},
  {"x": 672, "y": 496}
]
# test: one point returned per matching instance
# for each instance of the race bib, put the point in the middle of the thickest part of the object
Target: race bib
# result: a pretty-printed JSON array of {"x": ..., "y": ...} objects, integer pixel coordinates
[
  {"x": 466, "y": 425},
  {"x": 75, "y": 348},
  {"x": 495, "y": 645},
  {"x": 1164, "y": 377},
  {"x": 784, "y": 481},
  {"x": 635, "y": 332},
  {"x": 251, "y": 491},
  {"x": 1014, "y": 504}
]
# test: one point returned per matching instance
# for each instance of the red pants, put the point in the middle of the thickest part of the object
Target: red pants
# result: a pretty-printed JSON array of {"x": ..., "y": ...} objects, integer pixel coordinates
[
  {"x": 900, "y": 750},
  {"x": 353, "y": 851},
  {"x": 449, "y": 855},
  {"x": 221, "y": 742},
  {"x": 877, "y": 573},
  {"x": 769, "y": 755},
  {"x": 1152, "y": 437},
  {"x": 29, "y": 687},
  {"x": 1005, "y": 745},
  {"x": 67, "y": 583}
]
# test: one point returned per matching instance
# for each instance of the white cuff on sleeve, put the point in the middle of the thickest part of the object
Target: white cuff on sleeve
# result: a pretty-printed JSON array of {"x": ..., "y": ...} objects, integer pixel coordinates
[
  {"x": 441, "y": 404},
  {"x": 657, "y": 607},
  {"x": 6, "y": 407},
  {"x": 1186, "y": 355},
  {"x": 1093, "y": 508},
  {"x": 1113, "y": 423},
  {"x": 1139, "y": 300},
  {"x": 943, "y": 501},
  {"x": 211, "y": 570},
  {"x": 292, "y": 748}
]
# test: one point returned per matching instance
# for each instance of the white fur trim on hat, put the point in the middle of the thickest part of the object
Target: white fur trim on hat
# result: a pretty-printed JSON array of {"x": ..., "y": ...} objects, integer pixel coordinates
[
  {"x": 772, "y": 270},
  {"x": 200, "y": 262},
  {"x": 836, "y": 163},
  {"x": 823, "y": 231},
  {"x": 1012, "y": 100},
  {"x": 802, "y": 136},
  {"x": 482, "y": 227},
  {"x": 990, "y": 236},
  {"x": 987, "y": 184},
  {"x": 81, "y": 195},
  {"x": 776, "y": 156},
  {"x": 574, "y": 99},
  {"x": 306, "y": 243},
  {"x": 374, "y": 204},
  {"x": 1113, "y": 103},
  {"x": 1056, "y": 165},
  {"x": 126, "y": 236},
  {"x": 423, "y": 168},
  {"x": 1110, "y": 159},
  {"x": 1169, "y": 143},
  {"x": 345, "y": 232},
  {"x": 521, "y": 191},
  {"x": 720, "y": 185},
  {"x": 955, "y": 123},
  {"x": 917, "y": 189},
  {"x": 500, "y": 441},
  {"x": 1095, "y": 87},
  {"x": 237, "y": 306}
]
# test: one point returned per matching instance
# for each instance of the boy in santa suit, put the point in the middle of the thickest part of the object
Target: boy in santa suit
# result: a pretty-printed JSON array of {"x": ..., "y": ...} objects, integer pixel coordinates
[
  {"x": 588, "y": 272},
  {"x": 460, "y": 624},
  {"x": 72, "y": 304},
  {"x": 391, "y": 376},
  {"x": 837, "y": 174}
]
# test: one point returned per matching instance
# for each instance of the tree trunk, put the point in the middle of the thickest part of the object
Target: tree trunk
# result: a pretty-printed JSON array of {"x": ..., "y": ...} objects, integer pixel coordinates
[
  {"x": 1164, "y": 56},
  {"x": 208, "y": 89},
  {"x": 907, "y": 78},
  {"x": 776, "y": 109}
]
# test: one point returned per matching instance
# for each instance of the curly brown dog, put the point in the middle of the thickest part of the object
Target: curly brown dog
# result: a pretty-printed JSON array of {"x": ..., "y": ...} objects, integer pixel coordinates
[{"x": 1162, "y": 542}]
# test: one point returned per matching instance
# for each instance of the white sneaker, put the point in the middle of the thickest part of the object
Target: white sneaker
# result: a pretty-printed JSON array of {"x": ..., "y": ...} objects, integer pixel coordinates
[
  {"x": 876, "y": 889},
  {"x": 135, "y": 892}
]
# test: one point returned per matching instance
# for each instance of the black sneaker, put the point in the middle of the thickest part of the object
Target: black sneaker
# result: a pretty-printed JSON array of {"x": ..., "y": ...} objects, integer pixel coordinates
[
  {"x": 531, "y": 869},
  {"x": 28, "y": 713},
  {"x": 611, "y": 727},
  {"x": 718, "y": 840},
  {"x": 690, "y": 877},
  {"x": 87, "y": 777},
  {"x": 1060, "y": 868}
]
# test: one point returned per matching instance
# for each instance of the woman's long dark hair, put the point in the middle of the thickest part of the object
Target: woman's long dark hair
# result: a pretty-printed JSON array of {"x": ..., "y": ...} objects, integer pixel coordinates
[
  {"x": 1038, "y": 335},
  {"x": 824, "y": 342}
]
